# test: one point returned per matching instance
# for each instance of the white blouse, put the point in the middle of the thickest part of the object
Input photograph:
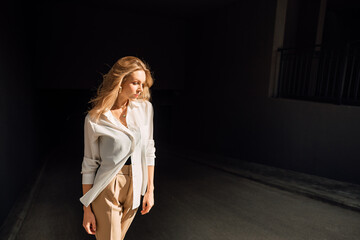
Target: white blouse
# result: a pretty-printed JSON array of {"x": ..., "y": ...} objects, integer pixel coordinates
[{"x": 108, "y": 144}]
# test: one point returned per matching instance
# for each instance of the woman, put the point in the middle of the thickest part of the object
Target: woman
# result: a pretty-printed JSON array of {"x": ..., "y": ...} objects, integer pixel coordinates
[{"x": 119, "y": 152}]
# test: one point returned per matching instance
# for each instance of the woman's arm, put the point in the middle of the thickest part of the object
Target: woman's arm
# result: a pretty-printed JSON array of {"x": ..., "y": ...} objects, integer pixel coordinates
[
  {"x": 90, "y": 164},
  {"x": 91, "y": 160},
  {"x": 148, "y": 201},
  {"x": 150, "y": 186},
  {"x": 89, "y": 222}
]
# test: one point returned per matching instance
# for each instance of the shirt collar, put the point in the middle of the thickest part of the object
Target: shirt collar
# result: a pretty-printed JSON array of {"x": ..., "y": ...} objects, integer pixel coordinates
[
  {"x": 117, "y": 123},
  {"x": 134, "y": 103},
  {"x": 108, "y": 114}
]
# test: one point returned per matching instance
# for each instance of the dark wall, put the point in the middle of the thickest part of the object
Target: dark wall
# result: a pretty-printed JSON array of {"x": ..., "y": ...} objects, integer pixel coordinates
[
  {"x": 19, "y": 156},
  {"x": 301, "y": 23},
  {"x": 231, "y": 73},
  {"x": 341, "y": 22},
  {"x": 225, "y": 107},
  {"x": 78, "y": 42}
]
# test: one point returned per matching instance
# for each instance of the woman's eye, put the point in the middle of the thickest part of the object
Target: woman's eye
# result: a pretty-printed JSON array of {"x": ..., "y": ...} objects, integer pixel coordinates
[{"x": 137, "y": 83}]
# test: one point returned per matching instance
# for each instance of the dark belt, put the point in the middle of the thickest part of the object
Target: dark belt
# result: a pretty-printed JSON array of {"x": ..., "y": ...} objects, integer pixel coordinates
[{"x": 128, "y": 161}]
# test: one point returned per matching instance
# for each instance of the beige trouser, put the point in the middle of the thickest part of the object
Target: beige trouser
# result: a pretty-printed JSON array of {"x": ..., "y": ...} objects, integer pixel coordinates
[{"x": 112, "y": 208}]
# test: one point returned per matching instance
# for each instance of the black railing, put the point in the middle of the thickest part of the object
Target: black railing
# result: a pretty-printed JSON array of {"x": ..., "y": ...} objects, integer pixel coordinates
[{"x": 321, "y": 74}]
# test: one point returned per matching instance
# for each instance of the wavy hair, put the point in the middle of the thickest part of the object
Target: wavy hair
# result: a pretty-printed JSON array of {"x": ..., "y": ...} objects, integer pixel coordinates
[{"x": 108, "y": 90}]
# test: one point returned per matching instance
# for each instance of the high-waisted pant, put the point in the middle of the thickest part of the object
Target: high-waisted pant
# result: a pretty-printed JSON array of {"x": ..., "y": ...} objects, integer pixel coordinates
[{"x": 113, "y": 207}]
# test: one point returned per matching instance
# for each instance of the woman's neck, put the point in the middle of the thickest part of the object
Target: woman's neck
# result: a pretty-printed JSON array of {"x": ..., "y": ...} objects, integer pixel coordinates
[{"x": 120, "y": 103}]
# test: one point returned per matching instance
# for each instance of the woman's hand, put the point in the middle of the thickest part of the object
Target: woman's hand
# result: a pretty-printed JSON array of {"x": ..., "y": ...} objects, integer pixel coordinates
[
  {"x": 89, "y": 222},
  {"x": 148, "y": 202}
]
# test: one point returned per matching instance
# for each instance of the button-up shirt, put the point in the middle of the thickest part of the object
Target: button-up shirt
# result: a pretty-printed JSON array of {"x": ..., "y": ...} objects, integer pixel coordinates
[{"x": 108, "y": 144}]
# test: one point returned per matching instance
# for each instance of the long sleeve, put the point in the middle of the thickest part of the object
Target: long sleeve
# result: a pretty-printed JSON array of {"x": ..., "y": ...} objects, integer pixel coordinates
[
  {"x": 91, "y": 160},
  {"x": 150, "y": 144}
]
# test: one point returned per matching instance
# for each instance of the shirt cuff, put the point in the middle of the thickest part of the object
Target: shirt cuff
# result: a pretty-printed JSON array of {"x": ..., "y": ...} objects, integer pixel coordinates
[
  {"x": 88, "y": 178},
  {"x": 150, "y": 161}
]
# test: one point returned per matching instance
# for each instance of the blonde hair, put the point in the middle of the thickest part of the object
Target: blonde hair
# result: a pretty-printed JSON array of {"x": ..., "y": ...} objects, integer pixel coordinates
[{"x": 108, "y": 90}]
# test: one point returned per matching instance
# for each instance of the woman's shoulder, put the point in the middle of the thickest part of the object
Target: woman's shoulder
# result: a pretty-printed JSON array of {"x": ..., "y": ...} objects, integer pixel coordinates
[{"x": 90, "y": 120}]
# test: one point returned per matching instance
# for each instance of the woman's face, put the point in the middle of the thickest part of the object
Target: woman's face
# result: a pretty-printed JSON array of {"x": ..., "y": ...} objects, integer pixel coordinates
[{"x": 134, "y": 84}]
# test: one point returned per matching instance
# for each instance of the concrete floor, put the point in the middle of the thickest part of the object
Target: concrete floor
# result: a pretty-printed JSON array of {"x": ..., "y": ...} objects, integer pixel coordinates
[{"x": 192, "y": 202}]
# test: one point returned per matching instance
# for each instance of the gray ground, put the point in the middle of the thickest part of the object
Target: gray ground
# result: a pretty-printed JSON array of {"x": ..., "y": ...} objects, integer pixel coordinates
[{"x": 192, "y": 201}]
